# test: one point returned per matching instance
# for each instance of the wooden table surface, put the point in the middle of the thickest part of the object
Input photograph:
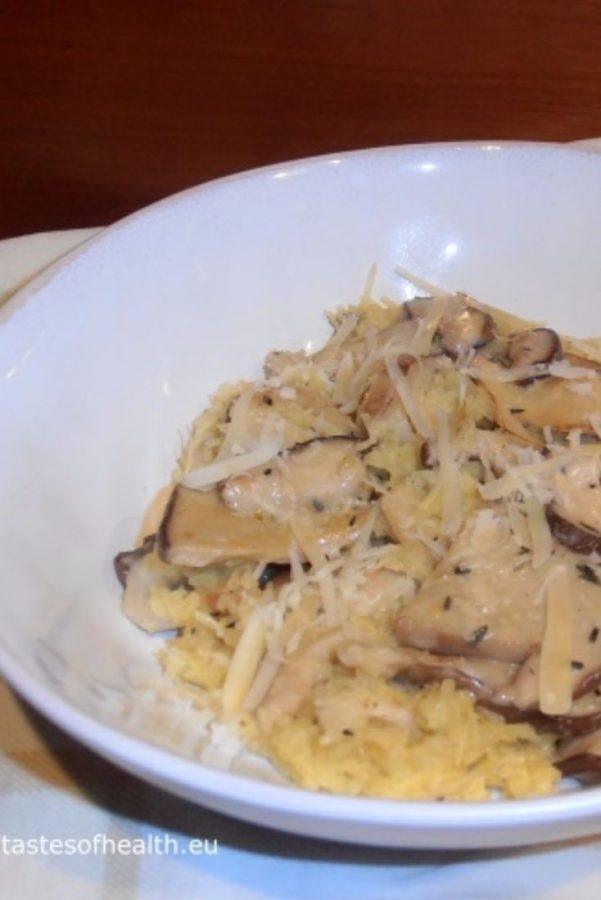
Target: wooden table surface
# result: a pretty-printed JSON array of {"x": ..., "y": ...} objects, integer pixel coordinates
[{"x": 107, "y": 106}]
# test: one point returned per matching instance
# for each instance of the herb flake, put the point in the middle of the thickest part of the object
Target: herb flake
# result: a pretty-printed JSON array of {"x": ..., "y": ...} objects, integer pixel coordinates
[
  {"x": 587, "y": 573},
  {"x": 479, "y": 634},
  {"x": 379, "y": 540}
]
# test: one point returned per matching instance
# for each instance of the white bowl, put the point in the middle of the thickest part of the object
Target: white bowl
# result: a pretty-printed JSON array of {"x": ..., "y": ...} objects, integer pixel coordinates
[{"x": 104, "y": 359}]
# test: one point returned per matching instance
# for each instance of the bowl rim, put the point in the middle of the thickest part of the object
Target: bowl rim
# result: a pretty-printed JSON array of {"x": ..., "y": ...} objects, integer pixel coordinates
[
  {"x": 136, "y": 754},
  {"x": 589, "y": 147}
]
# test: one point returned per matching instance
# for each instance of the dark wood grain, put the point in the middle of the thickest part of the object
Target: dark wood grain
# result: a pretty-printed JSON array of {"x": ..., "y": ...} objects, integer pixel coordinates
[{"x": 107, "y": 106}]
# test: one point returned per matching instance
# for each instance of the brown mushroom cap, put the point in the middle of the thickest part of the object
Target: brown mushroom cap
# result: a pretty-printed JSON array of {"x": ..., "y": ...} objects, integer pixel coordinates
[
  {"x": 581, "y": 764},
  {"x": 576, "y": 537},
  {"x": 199, "y": 529},
  {"x": 470, "y": 329},
  {"x": 417, "y": 308},
  {"x": 139, "y": 571},
  {"x": 124, "y": 561},
  {"x": 537, "y": 345}
]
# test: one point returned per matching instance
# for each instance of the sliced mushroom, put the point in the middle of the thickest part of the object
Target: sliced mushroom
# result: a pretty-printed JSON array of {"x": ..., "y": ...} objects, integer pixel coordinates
[
  {"x": 417, "y": 308},
  {"x": 199, "y": 529},
  {"x": 580, "y": 756},
  {"x": 139, "y": 571},
  {"x": 468, "y": 329},
  {"x": 576, "y": 537},
  {"x": 272, "y": 572},
  {"x": 580, "y": 764},
  {"x": 482, "y": 677},
  {"x": 568, "y": 726},
  {"x": 288, "y": 416},
  {"x": 485, "y": 601},
  {"x": 574, "y": 514},
  {"x": 124, "y": 561},
  {"x": 550, "y": 402},
  {"x": 427, "y": 455},
  {"x": 488, "y": 681},
  {"x": 537, "y": 345},
  {"x": 317, "y": 476}
]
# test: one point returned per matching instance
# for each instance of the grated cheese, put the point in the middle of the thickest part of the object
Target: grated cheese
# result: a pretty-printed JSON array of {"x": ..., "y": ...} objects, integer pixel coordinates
[
  {"x": 311, "y": 547},
  {"x": 266, "y": 674},
  {"x": 245, "y": 661},
  {"x": 564, "y": 369},
  {"x": 540, "y": 534},
  {"x": 449, "y": 478},
  {"x": 427, "y": 286},
  {"x": 237, "y": 429},
  {"x": 521, "y": 477},
  {"x": 401, "y": 386},
  {"x": 337, "y": 616},
  {"x": 595, "y": 420},
  {"x": 342, "y": 389},
  {"x": 555, "y": 677},
  {"x": 207, "y": 476}
]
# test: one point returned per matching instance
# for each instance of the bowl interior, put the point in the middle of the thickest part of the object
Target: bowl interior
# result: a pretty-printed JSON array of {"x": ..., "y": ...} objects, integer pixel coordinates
[{"x": 107, "y": 359}]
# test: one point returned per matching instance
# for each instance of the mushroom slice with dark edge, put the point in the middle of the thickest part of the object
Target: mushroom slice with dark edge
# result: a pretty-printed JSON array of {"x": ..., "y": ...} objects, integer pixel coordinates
[
  {"x": 125, "y": 560},
  {"x": 416, "y": 308},
  {"x": 574, "y": 513},
  {"x": 468, "y": 328},
  {"x": 139, "y": 571},
  {"x": 481, "y": 600},
  {"x": 580, "y": 756},
  {"x": 485, "y": 601},
  {"x": 295, "y": 415},
  {"x": 326, "y": 474},
  {"x": 541, "y": 402},
  {"x": 482, "y": 677},
  {"x": 537, "y": 345},
  {"x": 577, "y": 537},
  {"x": 199, "y": 529},
  {"x": 489, "y": 681}
]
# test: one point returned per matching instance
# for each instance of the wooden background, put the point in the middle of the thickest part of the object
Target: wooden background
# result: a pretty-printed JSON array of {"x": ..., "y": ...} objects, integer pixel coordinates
[{"x": 106, "y": 106}]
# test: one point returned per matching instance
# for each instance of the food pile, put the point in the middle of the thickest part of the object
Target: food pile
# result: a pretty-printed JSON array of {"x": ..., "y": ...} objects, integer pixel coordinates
[{"x": 381, "y": 564}]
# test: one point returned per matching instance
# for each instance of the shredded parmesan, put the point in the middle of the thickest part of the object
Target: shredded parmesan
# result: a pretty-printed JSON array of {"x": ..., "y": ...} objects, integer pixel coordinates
[
  {"x": 563, "y": 369},
  {"x": 540, "y": 534},
  {"x": 556, "y": 653},
  {"x": 211, "y": 474},
  {"x": 595, "y": 420},
  {"x": 313, "y": 550},
  {"x": 266, "y": 673},
  {"x": 450, "y": 478},
  {"x": 244, "y": 662},
  {"x": 296, "y": 566},
  {"x": 368, "y": 287},
  {"x": 422, "y": 341},
  {"x": 344, "y": 331},
  {"x": 361, "y": 544},
  {"x": 342, "y": 388},
  {"x": 299, "y": 615},
  {"x": 520, "y": 477},
  {"x": 518, "y": 524},
  {"x": 401, "y": 386},
  {"x": 237, "y": 428},
  {"x": 422, "y": 284}
]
